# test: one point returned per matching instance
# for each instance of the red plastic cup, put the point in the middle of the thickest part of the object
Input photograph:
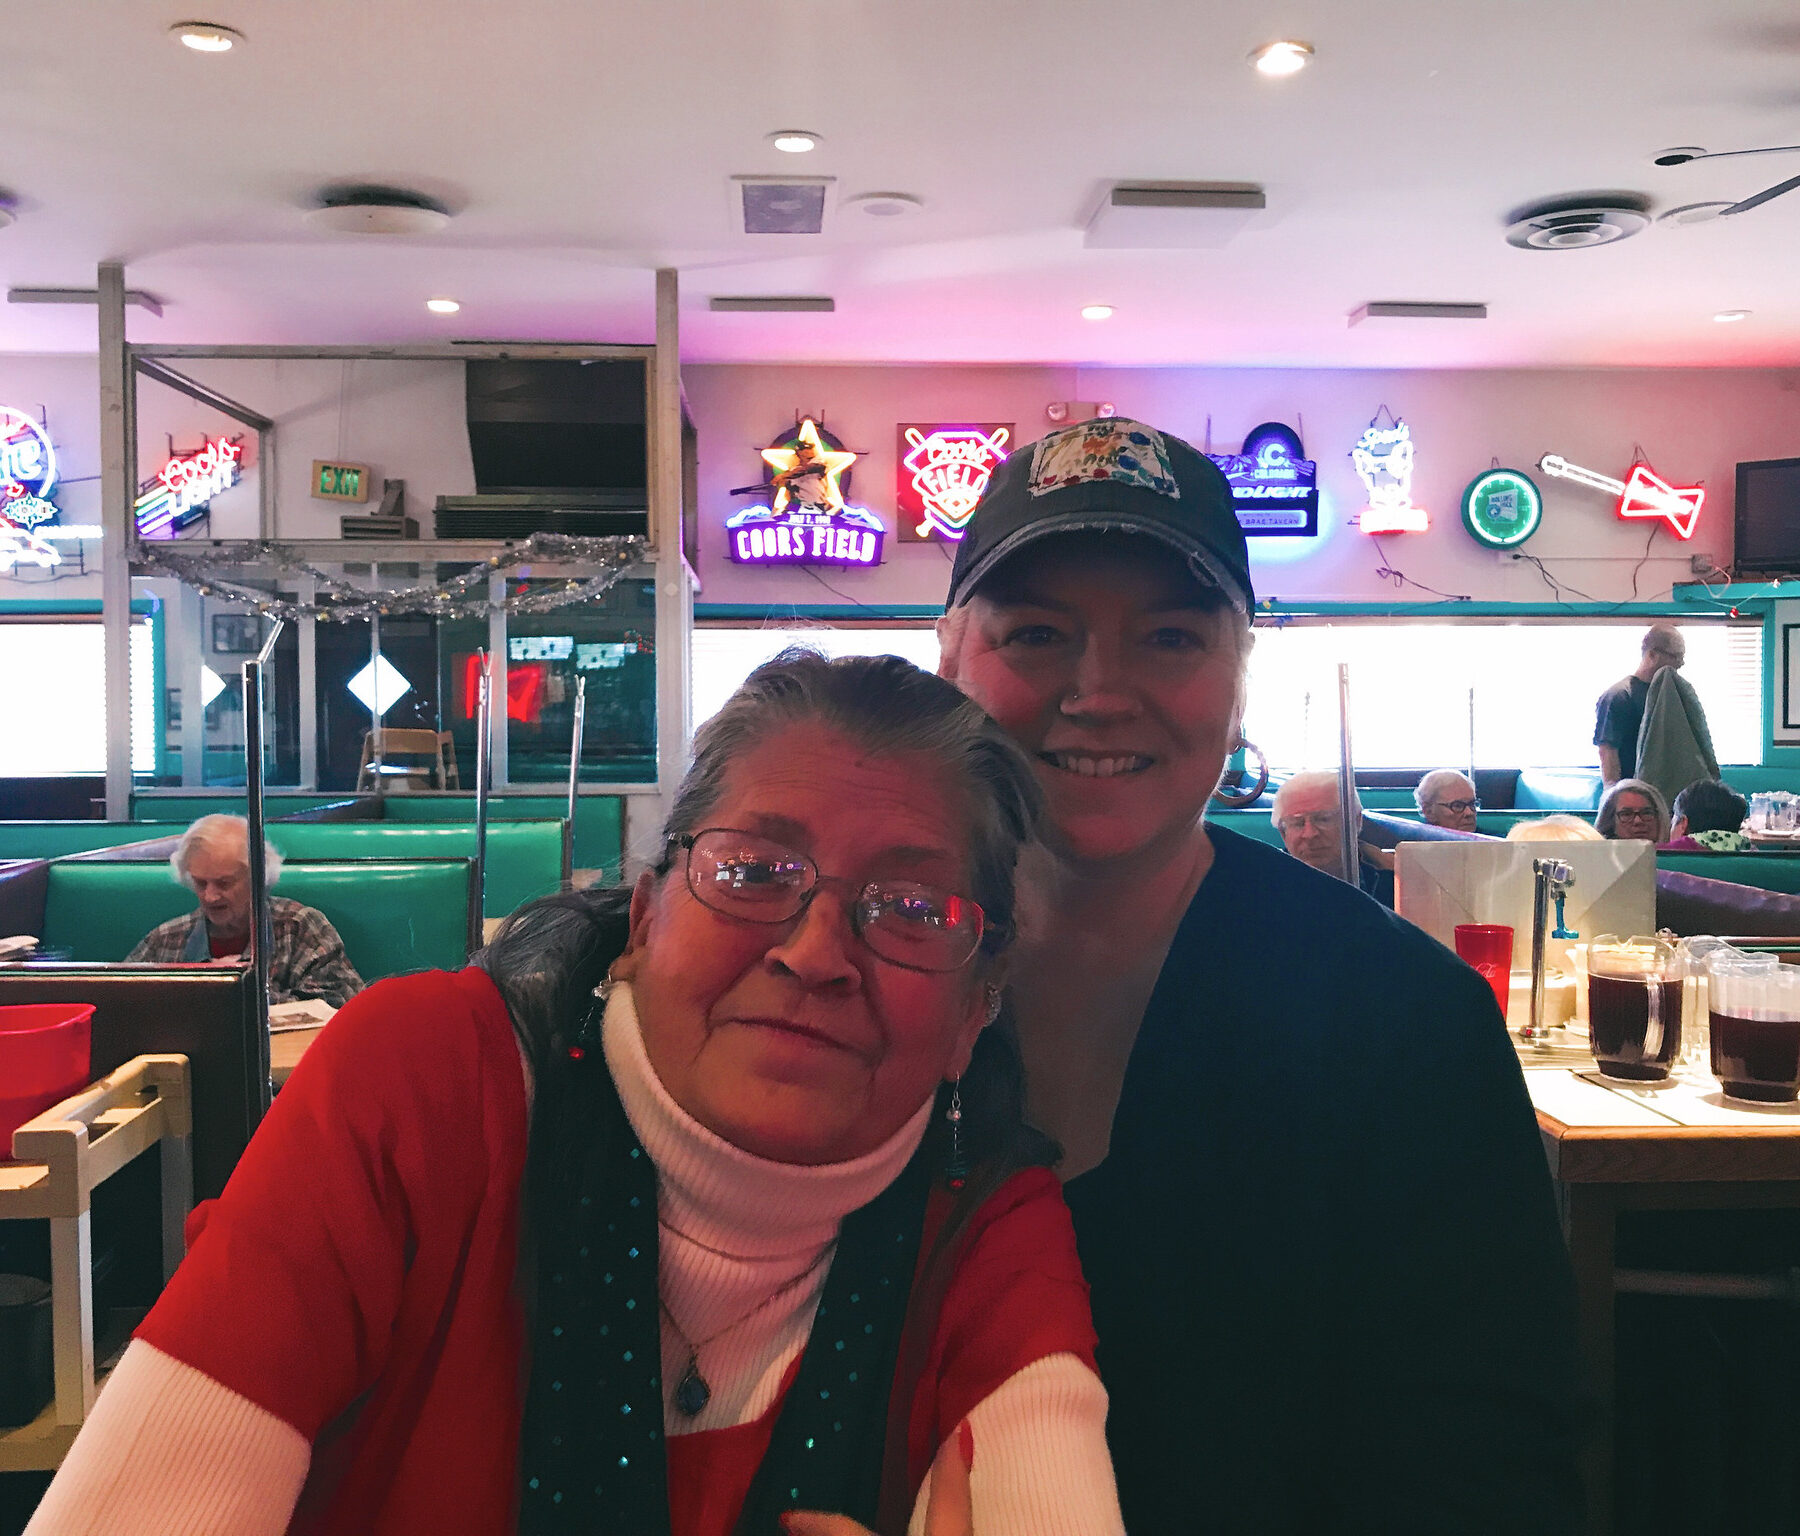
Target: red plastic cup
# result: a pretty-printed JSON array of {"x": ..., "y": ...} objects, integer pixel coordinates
[
  {"x": 1488, "y": 947},
  {"x": 44, "y": 1049}
]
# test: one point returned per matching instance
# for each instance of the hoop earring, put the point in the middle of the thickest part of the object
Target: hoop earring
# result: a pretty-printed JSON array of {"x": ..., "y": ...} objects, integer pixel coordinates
[
  {"x": 1237, "y": 799},
  {"x": 956, "y": 1169}
]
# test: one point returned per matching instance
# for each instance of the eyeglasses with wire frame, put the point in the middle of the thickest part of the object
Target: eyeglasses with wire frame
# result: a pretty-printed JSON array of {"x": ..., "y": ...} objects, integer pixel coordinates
[{"x": 755, "y": 880}]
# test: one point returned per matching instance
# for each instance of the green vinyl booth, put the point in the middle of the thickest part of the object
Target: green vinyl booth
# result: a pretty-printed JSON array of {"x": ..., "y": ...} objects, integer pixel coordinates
[
  {"x": 393, "y": 915},
  {"x": 54, "y": 839},
  {"x": 524, "y": 858},
  {"x": 598, "y": 837}
]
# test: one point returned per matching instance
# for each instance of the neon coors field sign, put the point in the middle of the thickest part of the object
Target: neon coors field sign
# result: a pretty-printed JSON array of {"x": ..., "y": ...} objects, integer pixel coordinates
[{"x": 806, "y": 520}]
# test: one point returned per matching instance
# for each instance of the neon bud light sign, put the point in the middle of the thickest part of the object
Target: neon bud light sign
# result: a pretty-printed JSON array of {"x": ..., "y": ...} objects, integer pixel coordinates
[
  {"x": 1383, "y": 460},
  {"x": 183, "y": 488},
  {"x": 805, "y": 521},
  {"x": 27, "y": 470},
  {"x": 1274, "y": 486},
  {"x": 944, "y": 471}
]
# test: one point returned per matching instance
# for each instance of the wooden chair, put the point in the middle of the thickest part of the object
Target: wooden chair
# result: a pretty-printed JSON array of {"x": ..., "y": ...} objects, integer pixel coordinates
[{"x": 390, "y": 744}]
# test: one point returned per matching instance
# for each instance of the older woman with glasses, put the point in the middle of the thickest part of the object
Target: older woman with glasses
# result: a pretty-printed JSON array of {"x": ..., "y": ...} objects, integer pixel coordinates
[
  {"x": 1307, "y": 1183},
  {"x": 1633, "y": 809},
  {"x": 702, "y": 1207}
]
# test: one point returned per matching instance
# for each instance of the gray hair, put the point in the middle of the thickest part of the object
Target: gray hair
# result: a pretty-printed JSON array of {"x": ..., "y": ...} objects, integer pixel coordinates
[
  {"x": 882, "y": 704},
  {"x": 221, "y": 834},
  {"x": 1311, "y": 778},
  {"x": 1606, "y": 819},
  {"x": 1665, "y": 640},
  {"x": 1436, "y": 782}
]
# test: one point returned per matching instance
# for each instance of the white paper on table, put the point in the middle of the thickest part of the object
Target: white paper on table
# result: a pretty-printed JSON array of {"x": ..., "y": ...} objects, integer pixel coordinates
[
  {"x": 302, "y": 1013},
  {"x": 1440, "y": 884},
  {"x": 1697, "y": 1099}
]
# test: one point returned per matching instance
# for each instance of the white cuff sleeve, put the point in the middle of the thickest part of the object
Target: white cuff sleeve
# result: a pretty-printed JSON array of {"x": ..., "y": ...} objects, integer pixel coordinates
[
  {"x": 1041, "y": 1466},
  {"x": 168, "y": 1451}
]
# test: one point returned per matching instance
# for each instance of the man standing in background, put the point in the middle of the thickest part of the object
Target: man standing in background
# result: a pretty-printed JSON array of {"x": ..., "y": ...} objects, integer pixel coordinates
[{"x": 1619, "y": 712}]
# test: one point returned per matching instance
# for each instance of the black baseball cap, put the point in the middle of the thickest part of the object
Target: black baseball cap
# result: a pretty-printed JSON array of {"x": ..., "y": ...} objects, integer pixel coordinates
[{"x": 1111, "y": 473}]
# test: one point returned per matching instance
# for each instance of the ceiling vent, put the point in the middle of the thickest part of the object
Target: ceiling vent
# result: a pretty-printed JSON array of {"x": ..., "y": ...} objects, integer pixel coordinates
[
  {"x": 1407, "y": 310},
  {"x": 370, "y": 210},
  {"x": 782, "y": 205},
  {"x": 1576, "y": 223},
  {"x": 1173, "y": 215},
  {"x": 776, "y": 304}
]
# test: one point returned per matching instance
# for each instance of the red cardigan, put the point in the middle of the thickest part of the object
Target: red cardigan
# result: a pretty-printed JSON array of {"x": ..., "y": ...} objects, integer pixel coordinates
[{"x": 359, "y": 1279}]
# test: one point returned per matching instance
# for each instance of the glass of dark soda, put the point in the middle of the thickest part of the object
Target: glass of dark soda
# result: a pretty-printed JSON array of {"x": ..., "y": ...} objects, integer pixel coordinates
[{"x": 1754, "y": 1002}]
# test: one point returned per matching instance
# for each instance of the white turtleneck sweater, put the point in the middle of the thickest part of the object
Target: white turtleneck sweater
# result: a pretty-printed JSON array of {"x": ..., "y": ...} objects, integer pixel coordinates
[{"x": 169, "y": 1451}]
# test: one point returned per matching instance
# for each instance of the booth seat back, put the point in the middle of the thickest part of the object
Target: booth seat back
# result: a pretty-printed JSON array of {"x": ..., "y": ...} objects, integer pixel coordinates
[
  {"x": 53, "y": 839},
  {"x": 1252, "y": 821},
  {"x": 393, "y": 916},
  {"x": 186, "y": 808},
  {"x": 599, "y": 839},
  {"x": 1765, "y": 871},
  {"x": 1557, "y": 789},
  {"x": 524, "y": 858}
]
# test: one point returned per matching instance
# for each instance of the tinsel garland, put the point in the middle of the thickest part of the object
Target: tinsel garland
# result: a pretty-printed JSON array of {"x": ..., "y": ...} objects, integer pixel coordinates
[{"x": 337, "y": 601}]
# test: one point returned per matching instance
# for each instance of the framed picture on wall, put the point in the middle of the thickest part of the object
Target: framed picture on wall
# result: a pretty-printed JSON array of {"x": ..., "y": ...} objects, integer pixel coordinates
[
  {"x": 1785, "y": 716},
  {"x": 236, "y": 634}
]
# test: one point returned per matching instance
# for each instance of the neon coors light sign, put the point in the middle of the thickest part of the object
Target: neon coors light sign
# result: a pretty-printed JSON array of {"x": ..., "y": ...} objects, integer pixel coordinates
[
  {"x": 806, "y": 520},
  {"x": 182, "y": 490}
]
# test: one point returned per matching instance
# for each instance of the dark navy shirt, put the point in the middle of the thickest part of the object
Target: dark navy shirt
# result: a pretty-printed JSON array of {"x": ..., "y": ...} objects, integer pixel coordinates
[{"x": 1618, "y": 714}]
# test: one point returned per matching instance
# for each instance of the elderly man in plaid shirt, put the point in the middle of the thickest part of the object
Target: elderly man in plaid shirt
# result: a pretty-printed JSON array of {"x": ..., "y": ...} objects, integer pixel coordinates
[{"x": 212, "y": 859}]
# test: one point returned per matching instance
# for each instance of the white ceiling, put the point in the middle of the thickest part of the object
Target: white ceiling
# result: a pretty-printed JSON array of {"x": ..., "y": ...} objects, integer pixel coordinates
[{"x": 584, "y": 142}]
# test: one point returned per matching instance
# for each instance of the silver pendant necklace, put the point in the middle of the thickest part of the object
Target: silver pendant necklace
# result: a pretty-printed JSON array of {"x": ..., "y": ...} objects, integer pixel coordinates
[{"x": 693, "y": 1391}]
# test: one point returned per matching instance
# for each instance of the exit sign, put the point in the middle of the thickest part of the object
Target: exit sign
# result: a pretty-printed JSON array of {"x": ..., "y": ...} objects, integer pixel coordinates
[{"x": 340, "y": 482}]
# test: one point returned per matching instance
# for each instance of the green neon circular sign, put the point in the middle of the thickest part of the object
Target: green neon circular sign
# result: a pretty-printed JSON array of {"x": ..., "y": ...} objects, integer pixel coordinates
[{"x": 1502, "y": 508}]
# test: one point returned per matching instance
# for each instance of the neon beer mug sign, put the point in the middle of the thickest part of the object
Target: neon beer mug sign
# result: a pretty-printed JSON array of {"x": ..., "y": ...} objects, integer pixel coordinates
[
  {"x": 805, "y": 519},
  {"x": 1383, "y": 461}
]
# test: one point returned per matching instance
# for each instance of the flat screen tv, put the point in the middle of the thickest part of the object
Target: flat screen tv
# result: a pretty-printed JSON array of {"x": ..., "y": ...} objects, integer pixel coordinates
[{"x": 1768, "y": 518}]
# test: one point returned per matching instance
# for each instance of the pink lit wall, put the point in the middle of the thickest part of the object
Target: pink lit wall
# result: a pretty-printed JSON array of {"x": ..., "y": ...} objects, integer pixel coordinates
[{"x": 1693, "y": 424}]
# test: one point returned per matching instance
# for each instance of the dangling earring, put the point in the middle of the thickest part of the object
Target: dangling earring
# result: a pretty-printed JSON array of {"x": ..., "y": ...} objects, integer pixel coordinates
[
  {"x": 993, "y": 1005},
  {"x": 587, "y": 1032},
  {"x": 956, "y": 1170}
]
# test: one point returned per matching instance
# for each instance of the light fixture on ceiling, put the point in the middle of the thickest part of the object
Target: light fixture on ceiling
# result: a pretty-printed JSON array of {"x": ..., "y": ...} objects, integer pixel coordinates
[
  {"x": 1284, "y": 56},
  {"x": 442, "y": 306},
  {"x": 1172, "y": 215},
  {"x": 1096, "y": 311},
  {"x": 372, "y": 210},
  {"x": 1577, "y": 223},
  {"x": 887, "y": 205},
  {"x": 206, "y": 36},
  {"x": 772, "y": 304},
  {"x": 1728, "y": 316},
  {"x": 1691, "y": 213},
  {"x": 1409, "y": 309},
  {"x": 794, "y": 141}
]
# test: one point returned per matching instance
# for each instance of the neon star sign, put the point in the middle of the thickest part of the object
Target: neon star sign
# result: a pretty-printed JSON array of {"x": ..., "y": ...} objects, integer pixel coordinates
[
  {"x": 27, "y": 471},
  {"x": 1644, "y": 493},
  {"x": 183, "y": 488},
  {"x": 806, "y": 520},
  {"x": 1383, "y": 460},
  {"x": 943, "y": 473},
  {"x": 1274, "y": 486}
]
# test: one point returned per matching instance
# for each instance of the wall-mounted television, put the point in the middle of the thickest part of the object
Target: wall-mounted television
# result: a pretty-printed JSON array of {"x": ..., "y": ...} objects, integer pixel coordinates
[{"x": 1768, "y": 518}]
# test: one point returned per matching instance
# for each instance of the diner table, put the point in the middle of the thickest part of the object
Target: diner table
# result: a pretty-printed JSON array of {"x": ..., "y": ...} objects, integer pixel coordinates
[{"x": 1616, "y": 1146}]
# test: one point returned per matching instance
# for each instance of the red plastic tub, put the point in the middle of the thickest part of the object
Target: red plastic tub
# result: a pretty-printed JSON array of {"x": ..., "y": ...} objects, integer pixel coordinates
[{"x": 44, "y": 1050}]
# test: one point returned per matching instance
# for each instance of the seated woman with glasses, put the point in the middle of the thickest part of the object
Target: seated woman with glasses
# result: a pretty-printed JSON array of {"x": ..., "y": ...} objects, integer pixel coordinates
[
  {"x": 700, "y": 1207},
  {"x": 1633, "y": 809}
]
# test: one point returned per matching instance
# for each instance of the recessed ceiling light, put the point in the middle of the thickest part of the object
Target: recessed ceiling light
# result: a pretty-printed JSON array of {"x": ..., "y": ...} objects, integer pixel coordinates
[
  {"x": 1096, "y": 311},
  {"x": 206, "y": 36},
  {"x": 442, "y": 306},
  {"x": 794, "y": 141},
  {"x": 1726, "y": 316},
  {"x": 1286, "y": 56},
  {"x": 887, "y": 205}
]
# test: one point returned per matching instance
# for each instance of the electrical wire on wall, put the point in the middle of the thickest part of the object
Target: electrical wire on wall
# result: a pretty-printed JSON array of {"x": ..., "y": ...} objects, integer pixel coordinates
[{"x": 1400, "y": 580}]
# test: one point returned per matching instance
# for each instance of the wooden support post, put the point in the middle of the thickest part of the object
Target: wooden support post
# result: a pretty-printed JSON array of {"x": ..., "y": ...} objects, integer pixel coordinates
[{"x": 117, "y": 478}]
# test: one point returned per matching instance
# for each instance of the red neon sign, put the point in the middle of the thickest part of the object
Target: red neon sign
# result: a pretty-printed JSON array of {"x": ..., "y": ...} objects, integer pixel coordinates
[
  {"x": 524, "y": 689},
  {"x": 943, "y": 471}
]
